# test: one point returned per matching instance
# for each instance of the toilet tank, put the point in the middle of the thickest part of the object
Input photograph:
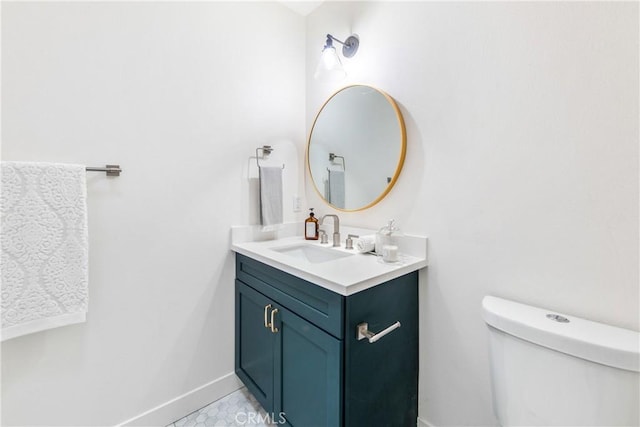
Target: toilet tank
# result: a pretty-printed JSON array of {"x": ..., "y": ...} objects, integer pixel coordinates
[{"x": 552, "y": 369}]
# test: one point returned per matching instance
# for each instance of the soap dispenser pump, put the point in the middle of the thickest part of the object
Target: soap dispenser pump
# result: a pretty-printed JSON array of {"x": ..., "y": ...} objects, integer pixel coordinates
[{"x": 311, "y": 226}]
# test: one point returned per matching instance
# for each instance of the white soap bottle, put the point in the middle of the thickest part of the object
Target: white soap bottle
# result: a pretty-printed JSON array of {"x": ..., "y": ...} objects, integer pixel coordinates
[{"x": 387, "y": 242}]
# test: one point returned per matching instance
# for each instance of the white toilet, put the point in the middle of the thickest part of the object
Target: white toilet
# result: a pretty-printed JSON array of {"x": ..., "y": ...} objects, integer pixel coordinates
[{"x": 550, "y": 369}]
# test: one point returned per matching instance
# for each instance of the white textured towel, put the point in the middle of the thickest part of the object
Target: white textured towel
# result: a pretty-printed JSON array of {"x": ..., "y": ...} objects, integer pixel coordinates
[
  {"x": 44, "y": 258},
  {"x": 366, "y": 243},
  {"x": 270, "y": 196}
]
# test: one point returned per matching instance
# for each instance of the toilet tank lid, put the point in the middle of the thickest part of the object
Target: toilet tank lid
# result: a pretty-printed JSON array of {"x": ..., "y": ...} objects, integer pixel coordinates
[{"x": 605, "y": 344}]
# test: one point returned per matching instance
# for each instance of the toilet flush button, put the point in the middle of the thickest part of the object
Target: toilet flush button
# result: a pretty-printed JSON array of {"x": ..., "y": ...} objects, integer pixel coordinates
[{"x": 557, "y": 318}]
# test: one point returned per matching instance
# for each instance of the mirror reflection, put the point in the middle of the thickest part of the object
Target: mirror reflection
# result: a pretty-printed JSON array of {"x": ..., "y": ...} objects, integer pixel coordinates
[{"x": 356, "y": 148}]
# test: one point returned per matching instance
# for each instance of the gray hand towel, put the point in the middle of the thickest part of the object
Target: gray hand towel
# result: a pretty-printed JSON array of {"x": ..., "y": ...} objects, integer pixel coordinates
[
  {"x": 336, "y": 188},
  {"x": 270, "y": 195}
]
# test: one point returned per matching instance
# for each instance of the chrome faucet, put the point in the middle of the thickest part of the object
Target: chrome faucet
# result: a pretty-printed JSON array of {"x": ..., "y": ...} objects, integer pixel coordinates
[{"x": 336, "y": 228}]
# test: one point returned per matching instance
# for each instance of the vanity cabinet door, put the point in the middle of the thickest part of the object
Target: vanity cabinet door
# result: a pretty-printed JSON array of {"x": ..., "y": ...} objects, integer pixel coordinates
[
  {"x": 308, "y": 373},
  {"x": 292, "y": 367},
  {"x": 255, "y": 344}
]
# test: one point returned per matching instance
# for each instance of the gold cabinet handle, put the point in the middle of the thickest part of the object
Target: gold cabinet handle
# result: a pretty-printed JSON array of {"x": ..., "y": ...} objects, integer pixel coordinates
[
  {"x": 273, "y": 322},
  {"x": 266, "y": 321}
]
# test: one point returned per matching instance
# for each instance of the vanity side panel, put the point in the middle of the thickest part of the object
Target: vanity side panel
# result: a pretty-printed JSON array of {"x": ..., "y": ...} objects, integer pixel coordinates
[
  {"x": 320, "y": 306},
  {"x": 381, "y": 379}
]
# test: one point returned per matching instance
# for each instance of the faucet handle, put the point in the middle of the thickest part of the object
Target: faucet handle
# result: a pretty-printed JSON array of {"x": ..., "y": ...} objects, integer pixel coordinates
[{"x": 349, "y": 241}]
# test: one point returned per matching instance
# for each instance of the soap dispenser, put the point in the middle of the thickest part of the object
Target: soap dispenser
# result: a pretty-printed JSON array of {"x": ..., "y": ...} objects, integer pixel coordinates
[
  {"x": 311, "y": 226},
  {"x": 387, "y": 242}
]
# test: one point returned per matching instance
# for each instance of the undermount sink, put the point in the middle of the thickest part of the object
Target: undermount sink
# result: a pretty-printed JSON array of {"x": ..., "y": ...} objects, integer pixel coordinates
[{"x": 310, "y": 253}]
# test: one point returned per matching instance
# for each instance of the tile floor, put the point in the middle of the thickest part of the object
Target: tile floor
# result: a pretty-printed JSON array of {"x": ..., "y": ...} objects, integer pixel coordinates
[{"x": 239, "y": 408}]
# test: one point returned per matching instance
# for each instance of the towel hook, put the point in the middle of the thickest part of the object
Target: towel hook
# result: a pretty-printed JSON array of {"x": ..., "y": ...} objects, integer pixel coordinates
[{"x": 266, "y": 150}]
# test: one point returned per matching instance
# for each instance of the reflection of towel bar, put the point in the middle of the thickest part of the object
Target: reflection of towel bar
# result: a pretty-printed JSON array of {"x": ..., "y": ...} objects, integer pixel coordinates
[
  {"x": 266, "y": 150},
  {"x": 333, "y": 157},
  {"x": 111, "y": 170}
]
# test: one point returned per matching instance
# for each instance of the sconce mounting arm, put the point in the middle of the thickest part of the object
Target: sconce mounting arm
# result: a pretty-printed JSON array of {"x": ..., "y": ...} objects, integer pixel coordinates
[{"x": 349, "y": 46}]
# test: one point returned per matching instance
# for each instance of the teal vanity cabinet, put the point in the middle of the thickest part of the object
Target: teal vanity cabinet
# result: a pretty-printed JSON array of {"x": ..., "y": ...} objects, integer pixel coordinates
[{"x": 297, "y": 349}]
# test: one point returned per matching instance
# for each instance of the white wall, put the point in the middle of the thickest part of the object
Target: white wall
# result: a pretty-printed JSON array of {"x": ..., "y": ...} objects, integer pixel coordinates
[
  {"x": 522, "y": 165},
  {"x": 180, "y": 94},
  {"x": 522, "y": 168}
]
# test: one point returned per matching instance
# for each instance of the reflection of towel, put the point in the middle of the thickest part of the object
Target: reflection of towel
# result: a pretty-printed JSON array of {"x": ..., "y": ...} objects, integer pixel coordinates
[
  {"x": 366, "y": 243},
  {"x": 336, "y": 188},
  {"x": 327, "y": 192},
  {"x": 44, "y": 257},
  {"x": 270, "y": 195}
]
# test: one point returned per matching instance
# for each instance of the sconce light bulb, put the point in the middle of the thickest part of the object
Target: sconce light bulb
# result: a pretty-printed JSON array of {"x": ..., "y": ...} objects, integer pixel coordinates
[
  {"x": 329, "y": 66},
  {"x": 330, "y": 58}
]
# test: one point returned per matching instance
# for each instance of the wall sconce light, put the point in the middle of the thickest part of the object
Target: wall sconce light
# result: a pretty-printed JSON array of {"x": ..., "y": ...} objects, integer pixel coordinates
[{"x": 330, "y": 67}]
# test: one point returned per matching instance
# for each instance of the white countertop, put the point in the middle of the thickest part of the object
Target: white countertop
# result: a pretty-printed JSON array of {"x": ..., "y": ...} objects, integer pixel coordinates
[{"x": 346, "y": 275}]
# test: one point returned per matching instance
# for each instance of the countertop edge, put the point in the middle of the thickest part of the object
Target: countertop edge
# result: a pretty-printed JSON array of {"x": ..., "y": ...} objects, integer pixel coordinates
[{"x": 344, "y": 289}]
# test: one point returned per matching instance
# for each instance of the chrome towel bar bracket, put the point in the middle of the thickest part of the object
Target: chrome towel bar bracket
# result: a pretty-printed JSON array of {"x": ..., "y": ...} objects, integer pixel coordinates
[{"x": 111, "y": 170}]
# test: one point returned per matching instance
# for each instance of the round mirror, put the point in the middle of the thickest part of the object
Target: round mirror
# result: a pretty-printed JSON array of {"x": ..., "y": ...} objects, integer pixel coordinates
[{"x": 356, "y": 147}]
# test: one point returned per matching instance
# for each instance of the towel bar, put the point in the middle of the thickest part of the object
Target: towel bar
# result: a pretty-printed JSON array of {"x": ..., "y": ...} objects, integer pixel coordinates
[
  {"x": 333, "y": 157},
  {"x": 266, "y": 150},
  {"x": 111, "y": 170},
  {"x": 363, "y": 332}
]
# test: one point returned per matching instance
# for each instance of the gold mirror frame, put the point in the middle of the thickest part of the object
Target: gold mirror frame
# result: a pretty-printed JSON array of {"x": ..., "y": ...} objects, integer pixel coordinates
[{"x": 403, "y": 148}]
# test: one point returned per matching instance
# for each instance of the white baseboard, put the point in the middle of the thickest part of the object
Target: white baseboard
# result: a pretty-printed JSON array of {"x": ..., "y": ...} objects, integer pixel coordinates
[
  {"x": 176, "y": 408},
  {"x": 424, "y": 423}
]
